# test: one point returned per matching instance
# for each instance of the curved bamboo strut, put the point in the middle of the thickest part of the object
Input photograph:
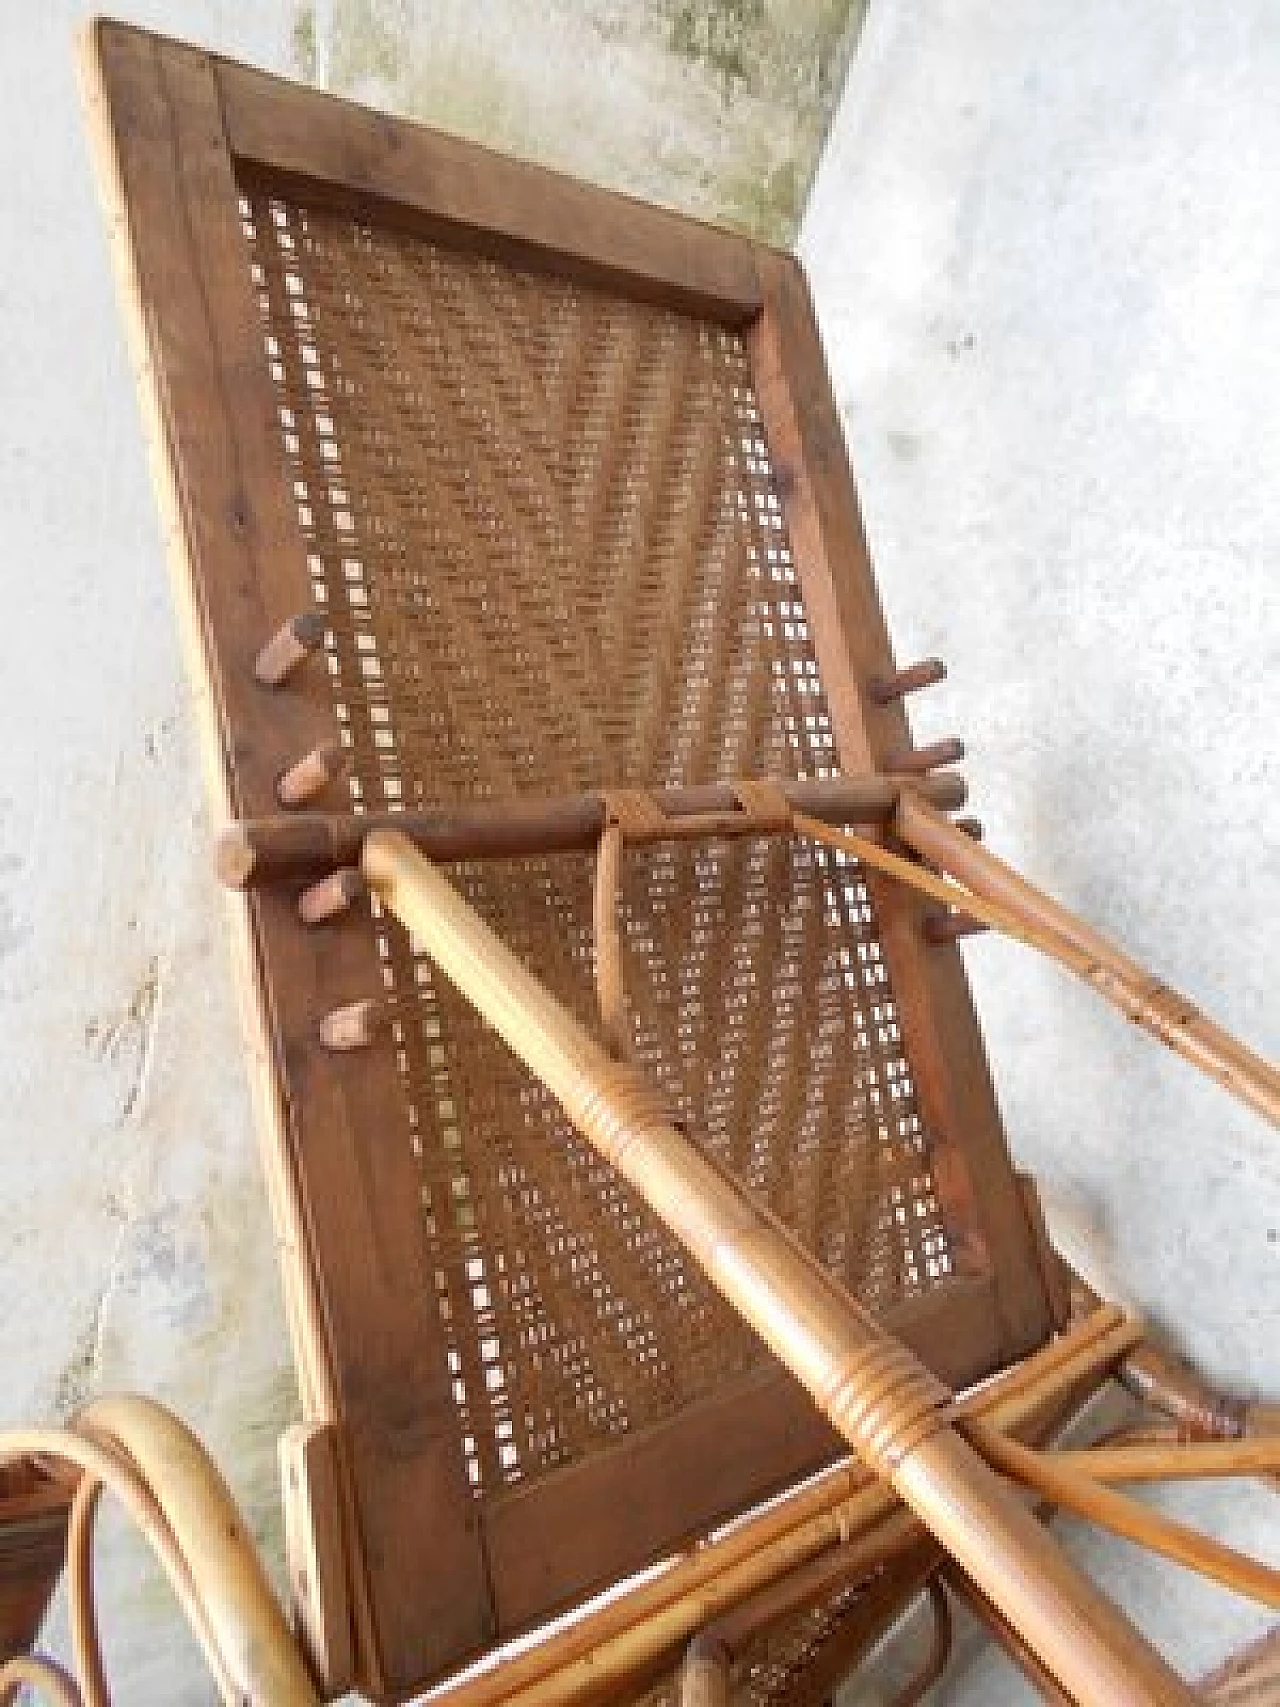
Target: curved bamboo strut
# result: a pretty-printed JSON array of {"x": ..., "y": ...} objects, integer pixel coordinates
[
  {"x": 169, "y": 1487},
  {"x": 46, "y": 1677},
  {"x": 935, "y": 1660},
  {"x": 1127, "y": 985},
  {"x": 1073, "y": 1491},
  {"x": 867, "y": 1384},
  {"x": 80, "y": 1595}
]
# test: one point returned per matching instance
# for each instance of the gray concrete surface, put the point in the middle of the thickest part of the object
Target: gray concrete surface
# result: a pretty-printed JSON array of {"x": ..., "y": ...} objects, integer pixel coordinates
[{"x": 1045, "y": 246}]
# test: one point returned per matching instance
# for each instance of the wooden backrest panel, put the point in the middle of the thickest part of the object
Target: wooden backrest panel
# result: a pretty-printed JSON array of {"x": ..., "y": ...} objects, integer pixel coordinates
[{"x": 565, "y": 480}]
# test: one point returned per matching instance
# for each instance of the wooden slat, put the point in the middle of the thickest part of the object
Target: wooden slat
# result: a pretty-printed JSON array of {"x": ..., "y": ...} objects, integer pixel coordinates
[
  {"x": 684, "y": 1476},
  {"x": 806, "y": 444},
  {"x": 239, "y": 571},
  {"x": 326, "y": 150}
]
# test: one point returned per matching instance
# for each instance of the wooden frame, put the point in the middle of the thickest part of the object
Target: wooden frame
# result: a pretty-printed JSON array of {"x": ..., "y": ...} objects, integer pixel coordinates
[{"x": 178, "y": 131}]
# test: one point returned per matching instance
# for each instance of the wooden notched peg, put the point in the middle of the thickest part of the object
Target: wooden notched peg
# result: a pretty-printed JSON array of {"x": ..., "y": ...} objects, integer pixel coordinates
[
  {"x": 971, "y": 827},
  {"x": 304, "y": 780},
  {"x": 915, "y": 761},
  {"x": 355, "y": 1026},
  {"x": 950, "y": 927},
  {"x": 289, "y": 646},
  {"x": 330, "y": 897},
  {"x": 885, "y": 689}
]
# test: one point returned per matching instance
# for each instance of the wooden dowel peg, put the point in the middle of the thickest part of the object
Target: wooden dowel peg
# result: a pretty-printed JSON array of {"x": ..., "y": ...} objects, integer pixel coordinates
[
  {"x": 304, "y": 780},
  {"x": 885, "y": 689},
  {"x": 971, "y": 827},
  {"x": 330, "y": 897},
  {"x": 355, "y": 1026},
  {"x": 289, "y": 646},
  {"x": 950, "y": 927},
  {"x": 915, "y": 761}
]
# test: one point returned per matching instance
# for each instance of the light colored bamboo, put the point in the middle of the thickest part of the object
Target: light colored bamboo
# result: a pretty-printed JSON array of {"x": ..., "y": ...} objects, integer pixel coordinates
[
  {"x": 1168, "y": 1016},
  {"x": 610, "y": 982},
  {"x": 1174, "y": 1460},
  {"x": 81, "y": 1601},
  {"x": 1077, "y": 1492},
  {"x": 31, "y": 1671},
  {"x": 998, "y": 1628},
  {"x": 869, "y": 1386},
  {"x": 169, "y": 1487}
]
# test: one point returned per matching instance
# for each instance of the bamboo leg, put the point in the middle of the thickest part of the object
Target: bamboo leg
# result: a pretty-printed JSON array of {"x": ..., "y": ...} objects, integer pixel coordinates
[
  {"x": 872, "y": 1390},
  {"x": 1075, "y": 1492},
  {"x": 999, "y": 1629},
  {"x": 1167, "y": 1015},
  {"x": 935, "y": 1661},
  {"x": 1174, "y": 1460}
]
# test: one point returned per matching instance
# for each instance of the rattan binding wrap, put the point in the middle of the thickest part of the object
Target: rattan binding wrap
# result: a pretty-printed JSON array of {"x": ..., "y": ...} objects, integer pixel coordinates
[{"x": 544, "y": 536}]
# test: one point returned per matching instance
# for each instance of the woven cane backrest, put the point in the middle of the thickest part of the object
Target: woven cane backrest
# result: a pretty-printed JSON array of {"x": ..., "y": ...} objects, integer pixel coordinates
[
  {"x": 544, "y": 532},
  {"x": 563, "y": 478}
]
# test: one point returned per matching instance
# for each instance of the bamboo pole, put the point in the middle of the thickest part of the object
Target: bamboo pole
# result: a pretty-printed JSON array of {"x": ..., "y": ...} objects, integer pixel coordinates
[
  {"x": 1075, "y": 1491},
  {"x": 874, "y": 1392},
  {"x": 257, "y": 851},
  {"x": 1174, "y": 1460},
  {"x": 1127, "y": 985}
]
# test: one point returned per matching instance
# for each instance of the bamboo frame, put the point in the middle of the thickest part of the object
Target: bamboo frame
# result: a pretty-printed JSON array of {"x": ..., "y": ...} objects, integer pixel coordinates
[
  {"x": 884, "y": 1403},
  {"x": 1018, "y": 907},
  {"x": 1059, "y": 1479}
]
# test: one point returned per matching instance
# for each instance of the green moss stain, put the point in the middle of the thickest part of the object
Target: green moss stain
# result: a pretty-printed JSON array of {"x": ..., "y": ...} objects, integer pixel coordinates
[{"x": 717, "y": 107}]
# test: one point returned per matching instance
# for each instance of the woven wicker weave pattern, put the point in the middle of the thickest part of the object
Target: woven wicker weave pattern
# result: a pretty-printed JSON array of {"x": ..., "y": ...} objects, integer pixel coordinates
[{"x": 542, "y": 527}]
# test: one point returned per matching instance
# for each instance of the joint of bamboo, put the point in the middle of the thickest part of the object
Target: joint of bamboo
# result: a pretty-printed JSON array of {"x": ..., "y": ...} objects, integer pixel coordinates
[
  {"x": 312, "y": 773},
  {"x": 291, "y": 645},
  {"x": 884, "y": 690}
]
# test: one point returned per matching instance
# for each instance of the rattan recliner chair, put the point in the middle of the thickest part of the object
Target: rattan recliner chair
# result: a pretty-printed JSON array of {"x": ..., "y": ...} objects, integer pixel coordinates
[{"x": 625, "y": 1117}]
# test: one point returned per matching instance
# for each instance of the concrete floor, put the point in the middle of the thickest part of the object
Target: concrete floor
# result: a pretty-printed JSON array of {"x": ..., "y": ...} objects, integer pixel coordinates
[
  {"x": 1045, "y": 246},
  {"x": 1044, "y": 242}
]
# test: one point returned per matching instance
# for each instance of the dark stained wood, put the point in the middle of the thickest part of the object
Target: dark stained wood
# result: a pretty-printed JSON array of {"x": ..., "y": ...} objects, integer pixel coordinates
[
  {"x": 331, "y": 151},
  {"x": 679, "y": 1478},
  {"x": 239, "y": 572},
  {"x": 806, "y": 442},
  {"x": 272, "y": 850}
]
